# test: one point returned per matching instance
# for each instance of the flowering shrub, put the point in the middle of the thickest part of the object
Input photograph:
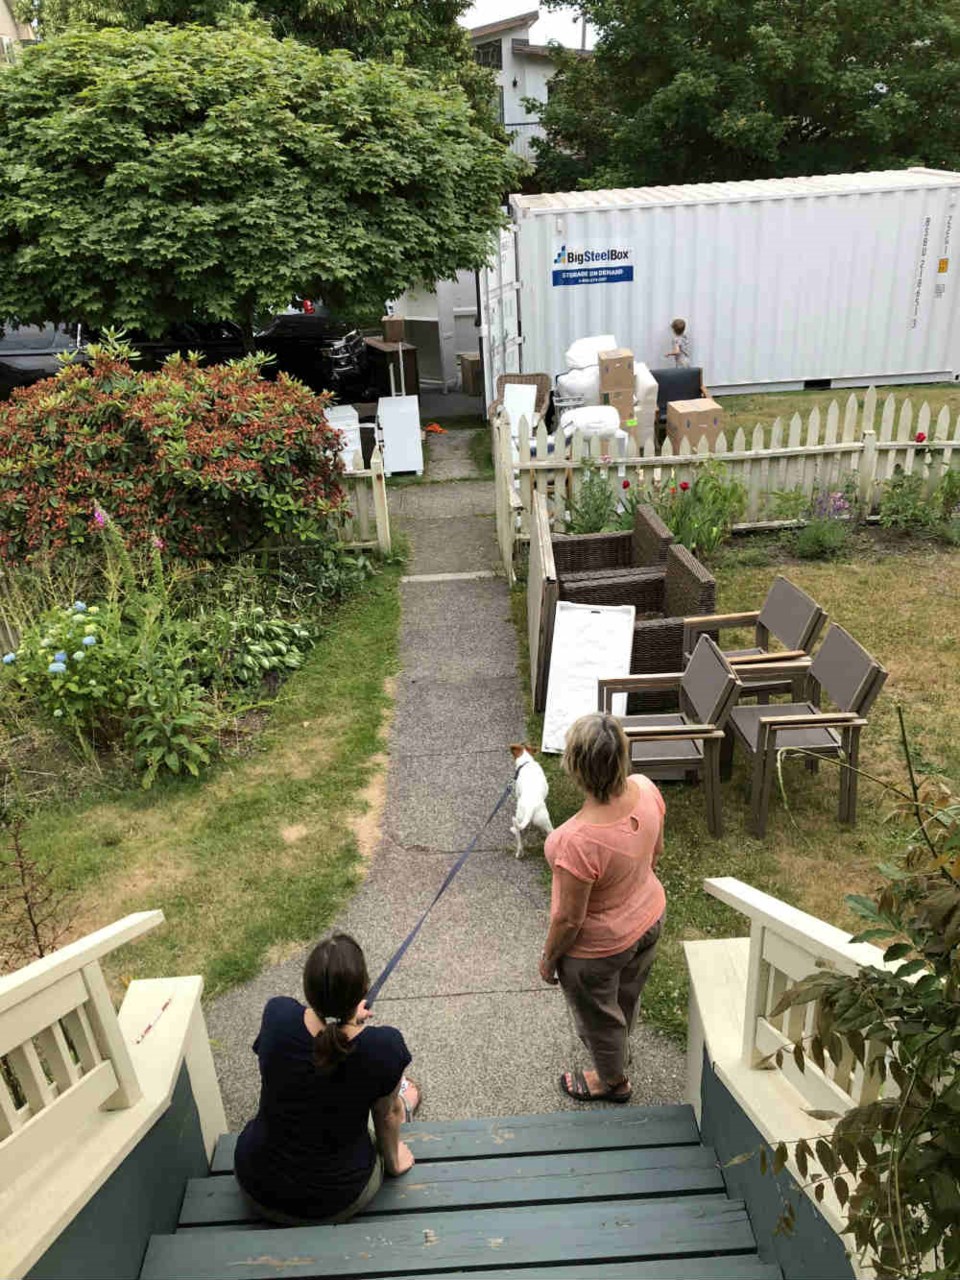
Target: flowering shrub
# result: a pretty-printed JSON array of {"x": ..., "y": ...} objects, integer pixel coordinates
[
  {"x": 74, "y": 665},
  {"x": 204, "y": 460},
  {"x": 699, "y": 513}
]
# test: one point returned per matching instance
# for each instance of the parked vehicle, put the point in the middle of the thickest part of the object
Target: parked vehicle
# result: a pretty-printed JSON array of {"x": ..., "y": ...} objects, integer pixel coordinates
[
  {"x": 320, "y": 350},
  {"x": 30, "y": 352},
  {"x": 217, "y": 341}
]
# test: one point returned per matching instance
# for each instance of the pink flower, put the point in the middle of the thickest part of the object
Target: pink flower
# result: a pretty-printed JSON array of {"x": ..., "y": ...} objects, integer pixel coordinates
[
  {"x": 99, "y": 517},
  {"x": 684, "y": 485},
  {"x": 920, "y": 437},
  {"x": 157, "y": 542},
  {"x": 626, "y": 484}
]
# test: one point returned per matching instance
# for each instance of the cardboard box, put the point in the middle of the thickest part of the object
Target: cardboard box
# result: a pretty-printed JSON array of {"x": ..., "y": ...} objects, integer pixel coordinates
[
  {"x": 471, "y": 380},
  {"x": 622, "y": 401},
  {"x": 392, "y": 328},
  {"x": 694, "y": 420},
  {"x": 616, "y": 369}
]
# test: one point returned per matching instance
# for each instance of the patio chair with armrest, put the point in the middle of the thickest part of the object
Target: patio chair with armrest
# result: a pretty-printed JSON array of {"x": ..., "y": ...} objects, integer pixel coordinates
[
  {"x": 788, "y": 616},
  {"x": 642, "y": 547},
  {"x": 687, "y": 742},
  {"x": 851, "y": 679}
]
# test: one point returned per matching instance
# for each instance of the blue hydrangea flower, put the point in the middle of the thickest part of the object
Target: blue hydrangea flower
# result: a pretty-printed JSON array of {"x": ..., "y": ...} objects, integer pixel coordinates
[
  {"x": 8, "y": 658},
  {"x": 79, "y": 655},
  {"x": 89, "y": 640},
  {"x": 60, "y": 655},
  {"x": 79, "y": 606},
  {"x": 56, "y": 668}
]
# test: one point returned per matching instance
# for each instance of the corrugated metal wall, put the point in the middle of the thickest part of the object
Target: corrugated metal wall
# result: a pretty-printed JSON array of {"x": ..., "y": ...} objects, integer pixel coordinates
[{"x": 775, "y": 290}]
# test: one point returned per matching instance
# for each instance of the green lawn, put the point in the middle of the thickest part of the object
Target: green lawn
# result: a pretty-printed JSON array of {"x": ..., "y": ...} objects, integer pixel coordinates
[
  {"x": 765, "y": 407},
  {"x": 262, "y": 852},
  {"x": 903, "y": 603}
]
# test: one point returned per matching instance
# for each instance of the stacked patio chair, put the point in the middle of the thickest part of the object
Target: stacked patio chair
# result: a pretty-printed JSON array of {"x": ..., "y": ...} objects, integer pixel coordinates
[
  {"x": 851, "y": 679},
  {"x": 685, "y": 743},
  {"x": 788, "y": 616}
]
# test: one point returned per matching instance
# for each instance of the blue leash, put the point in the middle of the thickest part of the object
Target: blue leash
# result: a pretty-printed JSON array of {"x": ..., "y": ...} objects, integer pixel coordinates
[{"x": 448, "y": 880}]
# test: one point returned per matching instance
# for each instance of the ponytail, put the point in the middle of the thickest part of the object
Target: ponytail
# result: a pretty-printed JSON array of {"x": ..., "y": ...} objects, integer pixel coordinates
[
  {"x": 335, "y": 980},
  {"x": 330, "y": 1047}
]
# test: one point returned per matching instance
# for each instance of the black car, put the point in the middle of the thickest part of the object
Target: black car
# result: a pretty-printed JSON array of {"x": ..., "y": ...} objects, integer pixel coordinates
[
  {"x": 216, "y": 341},
  {"x": 30, "y": 353}
]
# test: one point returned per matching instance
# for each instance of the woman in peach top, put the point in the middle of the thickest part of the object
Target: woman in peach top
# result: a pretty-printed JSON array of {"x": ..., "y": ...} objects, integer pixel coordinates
[{"x": 607, "y": 904}]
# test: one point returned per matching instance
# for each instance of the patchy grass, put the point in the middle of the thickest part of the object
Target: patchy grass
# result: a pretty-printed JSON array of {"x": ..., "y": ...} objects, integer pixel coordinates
[
  {"x": 765, "y": 407},
  {"x": 481, "y": 453},
  {"x": 905, "y": 608},
  {"x": 262, "y": 852}
]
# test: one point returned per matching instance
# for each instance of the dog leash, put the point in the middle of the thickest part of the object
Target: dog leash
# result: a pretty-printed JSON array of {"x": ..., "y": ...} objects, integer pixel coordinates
[{"x": 448, "y": 880}]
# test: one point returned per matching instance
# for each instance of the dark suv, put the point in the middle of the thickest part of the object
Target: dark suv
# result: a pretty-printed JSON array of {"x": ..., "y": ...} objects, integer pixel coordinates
[{"x": 30, "y": 353}]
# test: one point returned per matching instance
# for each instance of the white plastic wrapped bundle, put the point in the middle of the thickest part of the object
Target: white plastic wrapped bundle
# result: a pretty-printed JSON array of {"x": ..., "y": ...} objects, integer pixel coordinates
[
  {"x": 592, "y": 420},
  {"x": 586, "y": 351},
  {"x": 581, "y": 384}
]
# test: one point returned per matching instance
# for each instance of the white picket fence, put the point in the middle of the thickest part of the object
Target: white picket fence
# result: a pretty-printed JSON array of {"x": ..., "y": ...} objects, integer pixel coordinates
[
  {"x": 819, "y": 455},
  {"x": 368, "y": 524}
]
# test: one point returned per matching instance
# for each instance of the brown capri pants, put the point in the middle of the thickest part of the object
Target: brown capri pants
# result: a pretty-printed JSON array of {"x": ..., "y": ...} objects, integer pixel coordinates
[{"x": 604, "y": 997}]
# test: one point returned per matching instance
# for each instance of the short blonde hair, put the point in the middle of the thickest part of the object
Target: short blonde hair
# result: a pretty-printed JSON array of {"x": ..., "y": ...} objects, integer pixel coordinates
[{"x": 597, "y": 755}]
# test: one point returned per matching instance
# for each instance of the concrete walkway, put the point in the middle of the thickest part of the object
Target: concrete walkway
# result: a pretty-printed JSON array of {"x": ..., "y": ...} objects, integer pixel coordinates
[{"x": 488, "y": 1037}]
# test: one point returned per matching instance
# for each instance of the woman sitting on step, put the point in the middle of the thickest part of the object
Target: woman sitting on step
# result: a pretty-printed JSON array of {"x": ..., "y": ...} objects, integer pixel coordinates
[
  {"x": 309, "y": 1155},
  {"x": 607, "y": 904}
]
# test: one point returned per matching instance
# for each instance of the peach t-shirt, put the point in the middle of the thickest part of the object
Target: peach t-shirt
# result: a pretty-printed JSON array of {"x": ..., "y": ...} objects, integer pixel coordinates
[{"x": 627, "y": 899}]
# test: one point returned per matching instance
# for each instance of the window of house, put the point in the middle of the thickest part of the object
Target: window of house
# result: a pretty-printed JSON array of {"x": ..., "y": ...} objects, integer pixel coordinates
[{"x": 489, "y": 54}]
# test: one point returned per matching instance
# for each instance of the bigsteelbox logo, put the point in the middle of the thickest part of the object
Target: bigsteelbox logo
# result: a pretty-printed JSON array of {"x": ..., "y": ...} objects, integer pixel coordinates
[
  {"x": 586, "y": 257},
  {"x": 606, "y": 265}
]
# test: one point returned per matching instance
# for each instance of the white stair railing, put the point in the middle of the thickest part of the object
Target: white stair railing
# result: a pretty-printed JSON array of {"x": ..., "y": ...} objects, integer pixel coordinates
[{"x": 62, "y": 1051}]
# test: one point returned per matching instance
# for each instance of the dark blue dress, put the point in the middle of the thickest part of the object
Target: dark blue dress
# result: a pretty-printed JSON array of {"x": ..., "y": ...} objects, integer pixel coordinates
[{"x": 308, "y": 1151}]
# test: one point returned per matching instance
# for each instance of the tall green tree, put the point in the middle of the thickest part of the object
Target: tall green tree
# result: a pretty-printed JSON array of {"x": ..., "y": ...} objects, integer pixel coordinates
[
  {"x": 153, "y": 175},
  {"x": 418, "y": 33},
  {"x": 699, "y": 90}
]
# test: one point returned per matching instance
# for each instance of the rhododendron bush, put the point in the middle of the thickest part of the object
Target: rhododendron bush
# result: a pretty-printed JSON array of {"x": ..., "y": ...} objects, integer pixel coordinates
[{"x": 207, "y": 460}]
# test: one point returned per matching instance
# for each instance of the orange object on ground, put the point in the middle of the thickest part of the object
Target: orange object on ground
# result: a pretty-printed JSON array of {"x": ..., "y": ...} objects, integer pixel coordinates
[{"x": 435, "y": 429}]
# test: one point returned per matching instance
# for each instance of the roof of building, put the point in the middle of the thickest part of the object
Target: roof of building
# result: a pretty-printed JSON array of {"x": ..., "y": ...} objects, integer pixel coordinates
[
  {"x": 505, "y": 24},
  {"x": 752, "y": 189},
  {"x": 527, "y": 50}
]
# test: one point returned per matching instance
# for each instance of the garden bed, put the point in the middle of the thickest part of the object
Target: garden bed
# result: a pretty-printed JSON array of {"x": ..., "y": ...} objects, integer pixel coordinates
[
  {"x": 261, "y": 851},
  {"x": 900, "y": 597}
]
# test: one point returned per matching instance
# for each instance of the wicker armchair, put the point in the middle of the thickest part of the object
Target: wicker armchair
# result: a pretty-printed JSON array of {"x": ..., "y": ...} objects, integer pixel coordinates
[
  {"x": 582, "y": 555},
  {"x": 539, "y": 380}
]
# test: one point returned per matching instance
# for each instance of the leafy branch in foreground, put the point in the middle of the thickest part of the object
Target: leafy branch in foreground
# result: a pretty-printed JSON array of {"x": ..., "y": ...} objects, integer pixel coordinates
[{"x": 894, "y": 1159}]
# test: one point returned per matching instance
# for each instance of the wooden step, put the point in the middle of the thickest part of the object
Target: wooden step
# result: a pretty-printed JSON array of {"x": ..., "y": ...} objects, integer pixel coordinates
[
  {"x": 738, "y": 1266},
  {"x": 416, "y": 1244},
  {"x": 623, "y": 1174},
  {"x": 554, "y": 1132}
]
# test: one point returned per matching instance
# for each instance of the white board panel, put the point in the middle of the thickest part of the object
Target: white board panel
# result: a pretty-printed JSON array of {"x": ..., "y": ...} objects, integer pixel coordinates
[
  {"x": 519, "y": 401},
  {"x": 347, "y": 421},
  {"x": 399, "y": 420},
  {"x": 590, "y": 643}
]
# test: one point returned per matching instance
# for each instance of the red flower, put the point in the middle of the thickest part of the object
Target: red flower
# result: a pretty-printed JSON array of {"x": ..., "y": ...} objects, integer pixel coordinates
[
  {"x": 920, "y": 437},
  {"x": 626, "y": 484},
  {"x": 684, "y": 485}
]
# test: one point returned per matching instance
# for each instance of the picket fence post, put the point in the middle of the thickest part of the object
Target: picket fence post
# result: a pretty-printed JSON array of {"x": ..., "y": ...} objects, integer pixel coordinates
[{"x": 380, "y": 506}]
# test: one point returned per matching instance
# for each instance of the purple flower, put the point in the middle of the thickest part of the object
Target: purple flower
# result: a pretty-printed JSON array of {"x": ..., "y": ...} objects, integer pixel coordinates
[
  {"x": 100, "y": 517},
  {"x": 158, "y": 543}
]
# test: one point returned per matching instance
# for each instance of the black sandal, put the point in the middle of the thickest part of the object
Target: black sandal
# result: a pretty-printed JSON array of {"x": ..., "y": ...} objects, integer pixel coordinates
[{"x": 580, "y": 1092}]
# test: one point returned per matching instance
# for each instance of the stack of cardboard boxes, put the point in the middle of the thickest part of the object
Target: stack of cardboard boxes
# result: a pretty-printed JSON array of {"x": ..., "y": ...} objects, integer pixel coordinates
[{"x": 617, "y": 381}]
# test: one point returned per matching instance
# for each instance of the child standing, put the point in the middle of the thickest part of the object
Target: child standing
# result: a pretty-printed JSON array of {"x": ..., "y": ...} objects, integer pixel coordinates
[{"x": 680, "y": 352}]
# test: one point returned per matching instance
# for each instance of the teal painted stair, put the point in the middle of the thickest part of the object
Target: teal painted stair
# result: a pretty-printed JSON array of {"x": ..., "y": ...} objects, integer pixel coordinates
[{"x": 629, "y": 1194}]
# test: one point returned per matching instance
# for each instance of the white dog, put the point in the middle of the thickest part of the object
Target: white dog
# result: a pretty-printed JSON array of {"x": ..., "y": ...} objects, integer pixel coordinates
[{"x": 530, "y": 787}]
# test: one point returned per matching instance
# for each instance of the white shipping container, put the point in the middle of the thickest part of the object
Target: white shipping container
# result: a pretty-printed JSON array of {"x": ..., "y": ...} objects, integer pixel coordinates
[{"x": 842, "y": 279}]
